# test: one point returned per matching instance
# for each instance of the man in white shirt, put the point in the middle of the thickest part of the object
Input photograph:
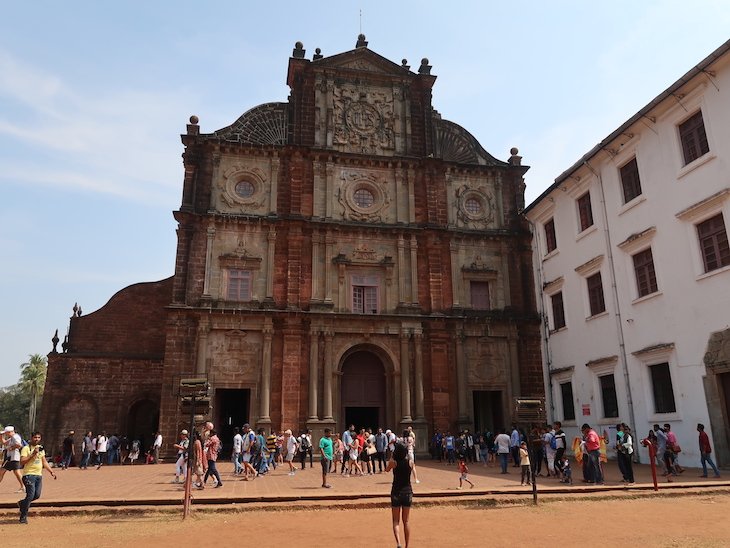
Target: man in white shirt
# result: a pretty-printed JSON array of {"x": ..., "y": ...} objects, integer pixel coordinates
[
  {"x": 290, "y": 442},
  {"x": 12, "y": 445},
  {"x": 156, "y": 446},
  {"x": 237, "y": 449},
  {"x": 502, "y": 442}
]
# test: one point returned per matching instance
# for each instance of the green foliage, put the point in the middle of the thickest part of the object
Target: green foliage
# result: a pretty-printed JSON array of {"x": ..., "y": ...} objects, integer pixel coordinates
[
  {"x": 32, "y": 381},
  {"x": 14, "y": 406}
]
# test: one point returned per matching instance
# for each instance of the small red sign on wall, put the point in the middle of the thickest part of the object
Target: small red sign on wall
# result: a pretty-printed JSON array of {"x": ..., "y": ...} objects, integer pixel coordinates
[{"x": 586, "y": 409}]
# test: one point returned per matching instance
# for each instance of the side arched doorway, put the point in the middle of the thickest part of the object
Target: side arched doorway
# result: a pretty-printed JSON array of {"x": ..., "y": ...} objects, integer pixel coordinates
[
  {"x": 142, "y": 422},
  {"x": 363, "y": 401}
]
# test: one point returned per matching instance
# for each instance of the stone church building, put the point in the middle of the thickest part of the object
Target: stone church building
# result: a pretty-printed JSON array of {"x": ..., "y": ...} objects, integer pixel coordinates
[{"x": 347, "y": 256}]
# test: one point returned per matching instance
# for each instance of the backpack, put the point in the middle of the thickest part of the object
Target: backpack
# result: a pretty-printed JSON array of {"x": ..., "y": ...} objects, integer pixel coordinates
[
  {"x": 305, "y": 445},
  {"x": 256, "y": 446},
  {"x": 554, "y": 442}
]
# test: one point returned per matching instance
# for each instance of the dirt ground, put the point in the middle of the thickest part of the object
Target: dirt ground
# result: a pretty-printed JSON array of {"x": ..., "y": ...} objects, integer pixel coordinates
[{"x": 670, "y": 521}]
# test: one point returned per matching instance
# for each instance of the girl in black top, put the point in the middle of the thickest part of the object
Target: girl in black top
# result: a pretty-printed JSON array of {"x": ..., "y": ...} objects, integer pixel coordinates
[{"x": 401, "y": 494}]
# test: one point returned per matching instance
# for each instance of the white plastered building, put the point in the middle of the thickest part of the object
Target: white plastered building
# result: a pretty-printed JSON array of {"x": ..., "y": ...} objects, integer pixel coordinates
[{"x": 633, "y": 270}]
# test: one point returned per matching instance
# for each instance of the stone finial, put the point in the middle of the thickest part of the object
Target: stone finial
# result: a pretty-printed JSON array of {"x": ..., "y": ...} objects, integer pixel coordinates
[
  {"x": 317, "y": 54},
  {"x": 425, "y": 68},
  {"x": 299, "y": 51},
  {"x": 405, "y": 65},
  {"x": 193, "y": 127},
  {"x": 55, "y": 340},
  {"x": 64, "y": 344},
  {"x": 361, "y": 42},
  {"x": 75, "y": 310},
  {"x": 514, "y": 160}
]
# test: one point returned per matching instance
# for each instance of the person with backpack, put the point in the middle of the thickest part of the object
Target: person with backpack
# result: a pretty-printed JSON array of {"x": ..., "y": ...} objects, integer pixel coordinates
[
  {"x": 12, "y": 443},
  {"x": 560, "y": 446},
  {"x": 305, "y": 448},
  {"x": 549, "y": 444},
  {"x": 247, "y": 447}
]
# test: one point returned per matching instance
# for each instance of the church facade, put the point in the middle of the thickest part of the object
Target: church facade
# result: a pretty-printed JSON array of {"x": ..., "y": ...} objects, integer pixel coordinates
[{"x": 347, "y": 256}]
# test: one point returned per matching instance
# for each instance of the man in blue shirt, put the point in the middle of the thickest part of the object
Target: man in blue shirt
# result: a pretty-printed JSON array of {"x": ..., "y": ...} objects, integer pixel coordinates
[
  {"x": 514, "y": 445},
  {"x": 347, "y": 440}
]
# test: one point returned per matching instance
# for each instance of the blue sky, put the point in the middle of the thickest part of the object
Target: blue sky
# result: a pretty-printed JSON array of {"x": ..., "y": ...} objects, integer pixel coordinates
[{"x": 94, "y": 96}]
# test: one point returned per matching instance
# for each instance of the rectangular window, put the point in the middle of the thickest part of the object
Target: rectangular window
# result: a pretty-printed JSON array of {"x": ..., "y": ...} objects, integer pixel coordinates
[
  {"x": 239, "y": 285},
  {"x": 595, "y": 294},
  {"x": 585, "y": 212},
  {"x": 645, "y": 274},
  {"x": 558, "y": 311},
  {"x": 608, "y": 396},
  {"x": 630, "y": 180},
  {"x": 479, "y": 295},
  {"x": 661, "y": 382},
  {"x": 365, "y": 294},
  {"x": 550, "y": 241},
  {"x": 693, "y": 137},
  {"x": 714, "y": 243},
  {"x": 566, "y": 392}
]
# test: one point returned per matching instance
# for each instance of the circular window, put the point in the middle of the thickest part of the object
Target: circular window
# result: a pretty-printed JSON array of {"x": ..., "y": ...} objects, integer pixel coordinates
[
  {"x": 473, "y": 206},
  {"x": 363, "y": 198},
  {"x": 245, "y": 189}
]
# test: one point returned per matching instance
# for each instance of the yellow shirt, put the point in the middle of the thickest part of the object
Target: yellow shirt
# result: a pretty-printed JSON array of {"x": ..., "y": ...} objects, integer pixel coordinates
[{"x": 34, "y": 467}]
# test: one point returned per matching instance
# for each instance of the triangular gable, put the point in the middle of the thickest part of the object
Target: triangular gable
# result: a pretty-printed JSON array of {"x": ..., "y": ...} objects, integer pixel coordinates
[{"x": 362, "y": 59}]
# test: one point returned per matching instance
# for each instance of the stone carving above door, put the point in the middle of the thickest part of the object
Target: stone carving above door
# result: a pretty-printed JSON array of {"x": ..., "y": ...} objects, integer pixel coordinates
[
  {"x": 486, "y": 361},
  {"x": 234, "y": 354}
]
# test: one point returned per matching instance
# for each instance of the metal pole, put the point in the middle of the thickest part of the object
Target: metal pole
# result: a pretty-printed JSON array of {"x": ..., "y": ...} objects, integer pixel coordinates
[{"x": 189, "y": 476}]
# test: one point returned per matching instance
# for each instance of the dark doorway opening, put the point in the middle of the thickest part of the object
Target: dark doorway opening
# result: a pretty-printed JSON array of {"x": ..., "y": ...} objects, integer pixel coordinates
[
  {"x": 232, "y": 407},
  {"x": 488, "y": 410},
  {"x": 143, "y": 421},
  {"x": 363, "y": 417},
  {"x": 363, "y": 391}
]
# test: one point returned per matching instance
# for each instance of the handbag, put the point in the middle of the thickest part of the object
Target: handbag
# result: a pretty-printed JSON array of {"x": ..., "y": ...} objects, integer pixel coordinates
[
  {"x": 676, "y": 448},
  {"x": 371, "y": 450}
]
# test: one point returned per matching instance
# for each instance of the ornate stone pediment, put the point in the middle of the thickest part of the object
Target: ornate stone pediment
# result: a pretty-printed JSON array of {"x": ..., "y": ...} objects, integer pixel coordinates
[
  {"x": 362, "y": 59},
  {"x": 363, "y": 118},
  {"x": 240, "y": 257}
]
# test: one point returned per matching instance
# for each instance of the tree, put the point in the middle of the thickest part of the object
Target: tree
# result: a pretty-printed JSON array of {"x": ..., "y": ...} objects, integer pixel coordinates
[{"x": 32, "y": 381}]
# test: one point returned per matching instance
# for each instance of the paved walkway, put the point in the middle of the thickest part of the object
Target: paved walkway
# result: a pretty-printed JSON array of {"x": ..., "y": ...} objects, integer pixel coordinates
[{"x": 150, "y": 485}]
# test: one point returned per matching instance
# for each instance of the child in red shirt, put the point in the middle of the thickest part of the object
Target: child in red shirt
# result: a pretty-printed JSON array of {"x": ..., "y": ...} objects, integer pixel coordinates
[{"x": 463, "y": 471}]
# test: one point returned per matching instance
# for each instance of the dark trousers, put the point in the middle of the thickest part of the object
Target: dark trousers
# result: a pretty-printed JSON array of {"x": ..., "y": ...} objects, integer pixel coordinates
[
  {"x": 515, "y": 455},
  {"x": 380, "y": 459},
  {"x": 595, "y": 466},
  {"x": 303, "y": 457},
  {"x": 537, "y": 457},
  {"x": 212, "y": 471},
  {"x": 33, "y": 485},
  {"x": 626, "y": 467}
]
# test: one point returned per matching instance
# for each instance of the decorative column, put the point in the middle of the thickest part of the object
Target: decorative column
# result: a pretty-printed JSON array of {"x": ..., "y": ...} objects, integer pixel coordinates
[
  {"x": 414, "y": 270},
  {"x": 401, "y": 270},
  {"x": 274, "y": 184},
  {"x": 265, "y": 393},
  {"x": 313, "y": 372},
  {"x": 418, "y": 372},
  {"x": 455, "y": 277},
  {"x": 329, "y": 246},
  {"x": 405, "y": 376},
  {"x": 461, "y": 375},
  {"x": 327, "y": 400},
  {"x": 208, "y": 260},
  {"x": 270, "y": 249},
  {"x": 201, "y": 359},
  {"x": 316, "y": 266}
]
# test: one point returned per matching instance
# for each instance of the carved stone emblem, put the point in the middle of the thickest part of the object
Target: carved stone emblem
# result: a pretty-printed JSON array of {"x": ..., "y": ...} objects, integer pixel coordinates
[
  {"x": 234, "y": 355},
  {"x": 474, "y": 206},
  {"x": 486, "y": 362},
  {"x": 363, "y": 118},
  {"x": 362, "y": 196}
]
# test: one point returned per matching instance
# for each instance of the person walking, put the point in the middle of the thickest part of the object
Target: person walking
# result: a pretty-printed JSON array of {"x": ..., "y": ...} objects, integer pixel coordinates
[
  {"x": 705, "y": 451},
  {"x": 291, "y": 445},
  {"x": 464, "y": 473},
  {"x": 86, "y": 450},
  {"x": 325, "y": 449},
  {"x": 101, "y": 447},
  {"x": 33, "y": 460},
  {"x": 68, "y": 450},
  {"x": 625, "y": 450},
  {"x": 12, "y": 445},
  {"x": 401, "y": 492},
  {"x": 182, "y": 457},
  {"x": 212, "y": 448},
  {"x": 502, "y": 442},
  {"x": 156, "y": 446}
]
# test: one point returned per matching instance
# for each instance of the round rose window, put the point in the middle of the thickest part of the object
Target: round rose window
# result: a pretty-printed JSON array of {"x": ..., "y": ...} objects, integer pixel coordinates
[{"x": 363, "y": 198}]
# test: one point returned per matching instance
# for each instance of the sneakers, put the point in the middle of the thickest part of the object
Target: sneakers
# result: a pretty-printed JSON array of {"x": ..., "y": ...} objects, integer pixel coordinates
[
  {"x": 418, "y": 481},
  {"x": 24, "y": 520},
  {"x": 458, "y": 488},
  {"x": 219, "y": 484}
]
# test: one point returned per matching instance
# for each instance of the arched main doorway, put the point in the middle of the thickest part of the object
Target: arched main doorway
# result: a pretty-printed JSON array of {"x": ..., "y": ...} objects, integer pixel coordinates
[
  {"x": 363, "y": 391},
  {"x": 142, "y": 422}
]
